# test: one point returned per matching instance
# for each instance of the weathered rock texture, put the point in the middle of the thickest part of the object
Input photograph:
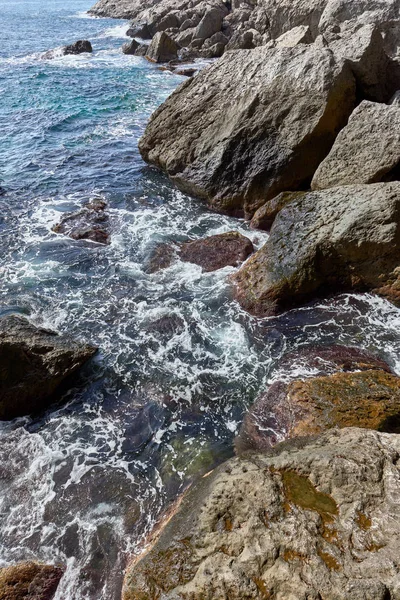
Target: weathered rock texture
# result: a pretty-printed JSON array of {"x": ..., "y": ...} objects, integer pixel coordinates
[
  {"x": 29, "y": 581},
  {"x": 367, "y": 150},
  {"x": 33, "y": 363},
  {"x": 289, "y": 104},
  {"x": 162, "y": 48},
  {"x": 91, "y": 223},
  {"x": 344, "y": 238},
  {"x": 265, "y": 215},
  {"x": 313, "y": 519},
  {"x": 78, "y": 47},
  {"x": 217, "y": 251}
]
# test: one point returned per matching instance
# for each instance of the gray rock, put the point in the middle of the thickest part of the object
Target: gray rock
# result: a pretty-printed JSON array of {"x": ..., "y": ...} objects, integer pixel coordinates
[
  {"x": 142, "y": 50},
  {"x": 78, "y": 47},
  {"x": 367, "y": 150},
  {"x": 297, "y": 35},
  {"x": 344, "y": 238},
  {"x": 211, "y": 23},
  {"x": 140, "y": 30},
  {"x": 162, "y": 48},
  {"x": 185, "y": 37},
  {"x": 214, "y": 51},
  {"x": 130, "y": 47},
  {"x": 241, "y": 41},
  {"x": 319, "y": 518},
  {"x": 290, "y": 103},
  {"x": 33, "y": 364}
]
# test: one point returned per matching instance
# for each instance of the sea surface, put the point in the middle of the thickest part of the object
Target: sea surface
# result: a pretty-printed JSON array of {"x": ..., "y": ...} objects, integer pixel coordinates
[{"x": 179, "y": 362}]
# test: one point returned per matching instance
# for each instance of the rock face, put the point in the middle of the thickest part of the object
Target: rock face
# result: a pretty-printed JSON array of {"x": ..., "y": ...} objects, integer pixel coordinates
[
  {"x": 367, "y": 150},
  {"x": 265, "y": 215},
  {"x": 91, "y": 223},
  {"x": 162, "y": 48},
  {"x": 312, "y": 519},
  {"x": 29, "y": 581},
  {"x": 344, "y": 238},
  {"x": 78, "y": 47},
  {"x": 33, "y": 363},
  {"x": 290, "y": 103},
  {"x": 217, "y": 251}
]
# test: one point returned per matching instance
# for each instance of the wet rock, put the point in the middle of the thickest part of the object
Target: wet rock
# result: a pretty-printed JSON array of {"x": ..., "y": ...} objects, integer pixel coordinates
[
  {"x": 91, "y": 223},
  {"x": 369, "y": 399},
  {"x": 140, "y": 30},
  {"x": 344, "y": 238},
  {"x": 167, "y": 325},
  {"x": 289, "y": 105},
  {"x": 265, "y": 215},
  {"x": 29, "y": 581},
  {"x": 78, "y": 47},
  {"x": 162, "y": 48},
  {"x": 217, "y": 251},
  {"x": 367, "y": 150},
  {"x": 142, "y": 50},
  {"x": 313, "y": 519},
  {"x": 161, "y": 258},
  {"x": 33, "y": 364},
  {"x": 211, "y": 23},
  {"x": 130, "y": 47}
]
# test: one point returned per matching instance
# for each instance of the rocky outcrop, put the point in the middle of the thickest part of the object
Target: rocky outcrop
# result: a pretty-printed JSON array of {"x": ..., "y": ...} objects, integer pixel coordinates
[
  {"x": 78, "y": 47},
  {"x": 316, "y": 518},
  {"x": 29, "y": 581},
  {"x": 217, "y": 251},
  {"x": 92, "y": 223},
  {"x": 367, "y": 150},
  {"x": 289, "y": 104},
  {"x": 344, "y": 238},
  {"x": 162, "y": 48},
  {"x": 33, "y": 364}
]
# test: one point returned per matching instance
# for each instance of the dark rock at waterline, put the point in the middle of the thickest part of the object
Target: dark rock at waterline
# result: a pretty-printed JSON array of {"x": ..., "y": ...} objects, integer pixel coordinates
[
  {"x": 142, "y": 50},
  {"x": 161, "y": 258},
  {"x": 140, "y": 30},
  {"x": 130, "y": 47},
  {"x": 340, "y": 239},
  {"x": 314, "y": 518},
  {"x": 217, "y": 251},
  {"x": 307, "y": 406},
  {"x": 162, "y": 48},
  {"x": 265, "y": 215},
  {"x": 34, "y": 362},
  {"x": 78, "y": 47},
  {"x": 167, "y": 325},
  {"x": 91, "y": 223},
  {"x": 29, "y": 581},
  {"x": 186, "y": 72}
]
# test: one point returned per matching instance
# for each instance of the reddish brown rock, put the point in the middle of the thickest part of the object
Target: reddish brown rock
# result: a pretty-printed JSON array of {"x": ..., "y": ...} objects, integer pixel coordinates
[
  {"x": 217, "y": 251},
  {"x": 29, "y": 581},
  {"x": 161, "y": 258},
  {"x": 90, "y": 223}
]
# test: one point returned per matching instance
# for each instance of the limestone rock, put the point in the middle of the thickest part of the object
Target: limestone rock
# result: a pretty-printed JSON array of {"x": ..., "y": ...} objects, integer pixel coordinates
[
  {"x": 29, "y": 581},
  {"x": 140, "y": 30},
  {"x": 319, "y": 244},
  {"x": 297, "y": 35},
  {"x": 367, "y": 150},
  {"x": 217, "y": 251},
  {"x": 33, "y": 364},
  {"x": 317, "y": 518},
  {"x": 78, "y": 47},
  {"x": 290, "y": 103},
  {"x": 211, "y": 23},
  {"x": 162, "y": 48},
  {"x": 265, "y": 215}
]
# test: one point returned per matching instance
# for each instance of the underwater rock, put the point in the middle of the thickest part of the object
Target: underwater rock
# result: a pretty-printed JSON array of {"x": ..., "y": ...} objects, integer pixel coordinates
[
  {"x": 217, "y": 251},
  {"x": 78, "y": 47},
  {"x": 339, "y": 239},
  {"x": 29, "y": 581},
  {"x": 33, "y": 364},
  {"x": 314, "y": 518},
  {"x": 367, "y": 150},
  {"x": 91, "y": 223}
]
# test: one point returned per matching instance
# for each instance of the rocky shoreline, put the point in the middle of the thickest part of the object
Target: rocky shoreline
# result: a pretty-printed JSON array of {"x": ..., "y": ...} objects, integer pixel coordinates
[{"x": 296, "y": 127}]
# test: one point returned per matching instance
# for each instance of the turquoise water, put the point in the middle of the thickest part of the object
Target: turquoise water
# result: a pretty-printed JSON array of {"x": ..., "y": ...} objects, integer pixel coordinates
[{"x": 83, "y": 483}]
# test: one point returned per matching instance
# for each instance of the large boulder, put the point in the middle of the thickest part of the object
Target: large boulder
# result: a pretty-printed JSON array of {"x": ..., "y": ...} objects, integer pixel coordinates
[
  {"x": 130, "y": 47},
  {"x": 33, "y": 364},
  {"x": 162, "y": 48},
  {"x": 29, "y": 581},
  {"x": 289, "y": 104},
  {"x": 210, "y": 24},
  {"x": 217, "y": 251},
  {"x": 367, "y": 150},
  {"x": 344, "y": 238},
  {"x": 319, "y": 518},
  {"x": 78, "y": 47}
]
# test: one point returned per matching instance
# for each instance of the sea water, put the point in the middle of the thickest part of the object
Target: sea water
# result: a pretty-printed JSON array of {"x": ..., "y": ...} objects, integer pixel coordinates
[{"x": 83, "y": 483}]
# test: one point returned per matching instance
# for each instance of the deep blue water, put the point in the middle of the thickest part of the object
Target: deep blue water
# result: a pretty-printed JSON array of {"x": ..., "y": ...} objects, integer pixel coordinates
[{"x": 84, "y": 482}]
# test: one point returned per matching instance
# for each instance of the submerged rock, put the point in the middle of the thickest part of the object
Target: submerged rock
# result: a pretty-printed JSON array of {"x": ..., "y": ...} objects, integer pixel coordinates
[
  {"x": 289, "y": 104},
  {"x": 162, "y": 48},
  {"x": 78, "y": 47},
  {"x": 29, "y": 581},
  {"x": 344, "y": 238},
  {"x": 367, "y": 150},
  {"x": 33, "y": 364},
  {"x": 318, "y": 518},
  {"x": 161, "y": 258},
  {"x": 217, "y": 251},
  {"x": 91, "y": 223}
]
